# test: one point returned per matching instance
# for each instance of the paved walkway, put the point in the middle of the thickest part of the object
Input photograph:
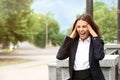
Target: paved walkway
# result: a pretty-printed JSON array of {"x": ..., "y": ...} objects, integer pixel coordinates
[{"x": 35, "y": 70}]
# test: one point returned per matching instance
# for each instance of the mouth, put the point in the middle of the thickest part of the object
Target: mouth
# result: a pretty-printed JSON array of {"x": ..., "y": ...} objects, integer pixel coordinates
[{"x": 82, "y": 34}]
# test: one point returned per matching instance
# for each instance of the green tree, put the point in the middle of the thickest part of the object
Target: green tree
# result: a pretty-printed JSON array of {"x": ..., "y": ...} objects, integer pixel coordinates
[
  {"x": 54, "y": 35},
  {"x": 17, "y": 21},
  {"x": 106, "y": 18}
]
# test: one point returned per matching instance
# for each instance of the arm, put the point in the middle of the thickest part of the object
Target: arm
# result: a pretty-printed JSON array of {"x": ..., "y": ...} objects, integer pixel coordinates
[
  {"x": 92, "y": 32},
  {"x": 98, "y": 45},
  {"x": 63, "y": 52}
]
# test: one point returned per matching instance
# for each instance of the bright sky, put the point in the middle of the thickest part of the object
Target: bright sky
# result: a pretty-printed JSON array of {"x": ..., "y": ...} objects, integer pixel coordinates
[{"x": 64, "y": 11}]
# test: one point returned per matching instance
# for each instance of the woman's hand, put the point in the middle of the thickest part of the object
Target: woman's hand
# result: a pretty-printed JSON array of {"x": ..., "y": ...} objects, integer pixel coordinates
[
  {"x": 74, "y": 33},
  {"x": 92, "y": 32}
]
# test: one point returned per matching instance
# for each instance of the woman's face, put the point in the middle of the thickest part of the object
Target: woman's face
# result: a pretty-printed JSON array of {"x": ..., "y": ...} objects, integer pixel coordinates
[{"x": 82, "y": 29}]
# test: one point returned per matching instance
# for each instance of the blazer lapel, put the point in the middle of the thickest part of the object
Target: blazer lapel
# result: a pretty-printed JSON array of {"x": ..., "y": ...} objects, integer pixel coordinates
[
  {"x": 90, "y": 51},
  {"x": 74, "y": 49}
]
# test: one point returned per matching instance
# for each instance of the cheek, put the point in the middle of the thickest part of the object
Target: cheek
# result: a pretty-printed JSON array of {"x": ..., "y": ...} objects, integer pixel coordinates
[
  {"x": 87, "y": 30},
  {"x": 87, "y": 33},
  {"x": 77, "y": 30}
]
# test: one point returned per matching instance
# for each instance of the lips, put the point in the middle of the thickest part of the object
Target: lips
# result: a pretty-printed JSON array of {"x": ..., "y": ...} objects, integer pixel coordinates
[{"x": 82, "y": 34}]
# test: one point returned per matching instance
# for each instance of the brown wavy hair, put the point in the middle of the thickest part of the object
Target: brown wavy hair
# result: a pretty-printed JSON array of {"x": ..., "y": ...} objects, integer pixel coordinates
[{"x": 89, "y": 19}]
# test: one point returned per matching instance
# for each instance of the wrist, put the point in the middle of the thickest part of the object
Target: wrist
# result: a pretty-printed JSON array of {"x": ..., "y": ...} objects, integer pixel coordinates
[
  {"x": 94, "y": 34},
  {"x": 71, "y": 36}
]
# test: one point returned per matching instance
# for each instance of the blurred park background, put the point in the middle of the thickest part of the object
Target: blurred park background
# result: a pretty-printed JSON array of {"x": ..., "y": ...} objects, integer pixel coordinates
[{"x": 31, "y": 31}]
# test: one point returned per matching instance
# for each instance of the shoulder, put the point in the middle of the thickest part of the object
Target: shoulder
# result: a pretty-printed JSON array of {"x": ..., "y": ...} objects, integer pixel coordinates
[{"x": 97, "y": 40}]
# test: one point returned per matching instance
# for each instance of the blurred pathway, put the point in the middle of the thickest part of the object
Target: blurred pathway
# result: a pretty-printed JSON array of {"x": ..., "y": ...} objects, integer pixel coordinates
[{"x": 35, "y": 70}]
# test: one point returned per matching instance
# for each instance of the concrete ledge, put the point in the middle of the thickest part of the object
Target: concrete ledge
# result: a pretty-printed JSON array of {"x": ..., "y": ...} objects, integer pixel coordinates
[
  {"x": 108, "y": 61},
  {"x": 62, "y": 63},
  {"x": 52, "y": 71},
  {"x": 52, "y": 64},
  {"x": 112, "y": 46}
]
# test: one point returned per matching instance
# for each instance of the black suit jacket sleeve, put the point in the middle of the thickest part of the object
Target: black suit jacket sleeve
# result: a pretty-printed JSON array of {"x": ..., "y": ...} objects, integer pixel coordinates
[
  {"x": 98, "y": 45},
  {"x": 63, "y": 52}
]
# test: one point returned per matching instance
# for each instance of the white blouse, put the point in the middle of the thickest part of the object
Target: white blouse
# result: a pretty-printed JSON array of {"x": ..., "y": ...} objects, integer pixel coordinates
[{"x": 82, "y": 55}]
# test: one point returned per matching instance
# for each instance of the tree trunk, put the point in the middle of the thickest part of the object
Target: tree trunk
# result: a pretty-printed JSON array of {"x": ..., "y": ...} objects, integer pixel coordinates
[{"x": 5, "y": 45}]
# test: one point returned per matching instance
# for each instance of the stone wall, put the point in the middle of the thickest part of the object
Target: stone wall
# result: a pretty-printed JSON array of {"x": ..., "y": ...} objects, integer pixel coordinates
[{"x": 109, "y": 65}]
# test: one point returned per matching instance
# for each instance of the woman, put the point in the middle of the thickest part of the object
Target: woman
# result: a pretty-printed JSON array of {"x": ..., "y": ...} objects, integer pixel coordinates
[{"x": 85, "y": 48}]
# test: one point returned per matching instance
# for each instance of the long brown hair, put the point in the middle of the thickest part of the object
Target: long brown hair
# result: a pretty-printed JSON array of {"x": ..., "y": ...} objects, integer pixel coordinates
[{"x": 89, "y": 19}]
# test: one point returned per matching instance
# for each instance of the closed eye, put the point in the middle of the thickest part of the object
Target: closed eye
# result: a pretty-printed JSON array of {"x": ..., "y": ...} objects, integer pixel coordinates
[
  {"x": 84, "y": 26},
  {"x": 78, "y": 26}
]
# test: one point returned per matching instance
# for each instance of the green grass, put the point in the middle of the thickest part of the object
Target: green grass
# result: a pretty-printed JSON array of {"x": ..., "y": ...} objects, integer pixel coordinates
[
  {"x": 7, "y": 51},
  {"x": 8, "y": 61}
]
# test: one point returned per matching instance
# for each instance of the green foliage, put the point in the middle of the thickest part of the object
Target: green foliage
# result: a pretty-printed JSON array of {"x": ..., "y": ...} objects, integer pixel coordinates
[
  {"x": 18, "y": 22},
  {"x": 54, "y": 35},
  {"x": 39, "y": 39},
  {"x": 106, "y": 18}
]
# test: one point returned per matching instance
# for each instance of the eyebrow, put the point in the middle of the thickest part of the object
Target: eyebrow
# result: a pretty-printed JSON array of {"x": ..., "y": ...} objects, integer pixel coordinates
[{"x": 84, "y": 25}]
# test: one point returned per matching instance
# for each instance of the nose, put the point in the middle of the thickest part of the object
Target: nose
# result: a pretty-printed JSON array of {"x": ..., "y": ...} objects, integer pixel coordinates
[{"x": 81, "y": 29}]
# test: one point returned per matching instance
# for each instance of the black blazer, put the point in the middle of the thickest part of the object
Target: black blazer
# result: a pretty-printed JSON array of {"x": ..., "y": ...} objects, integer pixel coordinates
[{"x": 96, "y": 53}]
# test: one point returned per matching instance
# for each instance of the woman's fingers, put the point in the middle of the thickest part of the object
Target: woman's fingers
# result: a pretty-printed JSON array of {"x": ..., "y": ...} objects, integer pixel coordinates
[
  {"x": 74, "y": 33},
  {"x": 92, "y": 32}
]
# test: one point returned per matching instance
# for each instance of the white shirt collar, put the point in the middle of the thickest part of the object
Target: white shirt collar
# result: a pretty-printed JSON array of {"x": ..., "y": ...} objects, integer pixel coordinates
[{"x": 88, "y": 39}]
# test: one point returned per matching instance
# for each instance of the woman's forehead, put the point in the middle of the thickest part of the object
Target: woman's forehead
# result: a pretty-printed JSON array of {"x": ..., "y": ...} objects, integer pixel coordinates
[{"x": 81, "y": 22}]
